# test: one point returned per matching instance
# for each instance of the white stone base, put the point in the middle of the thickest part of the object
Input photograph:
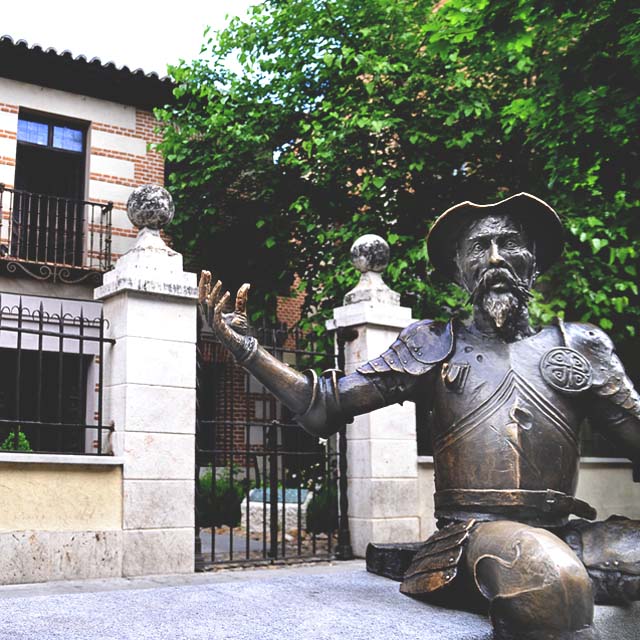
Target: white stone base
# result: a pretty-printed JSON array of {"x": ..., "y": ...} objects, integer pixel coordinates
[
  {"x": 260, "y": 518},
  {"x": 41, "y": 556}
]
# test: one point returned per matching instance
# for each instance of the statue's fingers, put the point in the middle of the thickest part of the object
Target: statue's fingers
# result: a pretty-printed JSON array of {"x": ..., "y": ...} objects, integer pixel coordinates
[
  {"x": 214, "y": 294},
  {"x": 241, "y": 298},
  {"x": 204, "y": 286},
  {"x": 217, "y": 313}
]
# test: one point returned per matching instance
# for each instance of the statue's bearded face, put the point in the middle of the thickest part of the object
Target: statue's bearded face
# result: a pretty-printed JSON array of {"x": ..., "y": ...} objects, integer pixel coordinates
[{"x": 496, "y": 264}]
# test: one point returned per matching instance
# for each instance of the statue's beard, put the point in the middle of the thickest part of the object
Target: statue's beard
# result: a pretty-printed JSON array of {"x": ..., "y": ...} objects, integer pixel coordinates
[
  {"x": 506, "y": 306},
  {"x": 501, "y": 307}
]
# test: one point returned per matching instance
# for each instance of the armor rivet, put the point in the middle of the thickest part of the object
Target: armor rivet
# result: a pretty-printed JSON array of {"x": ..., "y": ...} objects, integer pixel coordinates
[
  {"x": 468, "y": 349},
  {"x": 606, "y": 564},
  {"x": 479, "y": 358},
  {"x": 447, "y": 576},
  {"x": 616, "y": 562},
  {"x": 452, "y": 559},
  {"x": 419, "y": 353},
  {"x": 404, "y": 362}
]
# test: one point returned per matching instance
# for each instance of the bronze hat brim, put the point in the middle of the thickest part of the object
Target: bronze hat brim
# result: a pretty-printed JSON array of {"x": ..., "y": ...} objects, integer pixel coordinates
[{"x": 540, "y": 222}]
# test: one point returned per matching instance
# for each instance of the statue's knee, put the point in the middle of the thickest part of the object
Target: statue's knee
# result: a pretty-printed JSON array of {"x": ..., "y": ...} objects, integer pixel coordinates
[{"x": 532, "y": 579}]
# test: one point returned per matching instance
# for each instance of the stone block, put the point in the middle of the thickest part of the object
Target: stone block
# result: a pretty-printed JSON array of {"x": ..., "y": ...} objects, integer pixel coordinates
[
  {"x": 85, "y": 554},
  {"x": 165, "y": 363},
  {"x": 370, "y": 343},
  {"x": 138, "y": 407},
  {"x": 609, "y": 487},
  {"x": 426, "y": 506},
  {"x": 158, "y": 456},
  {"x": 371, "y": 313},
  {"x": 158, "y": 504},
  {"x": 158, "y": 551},
  {"x": 24, "y": 557},
  {"x": 392, "y": 422},
  {"x": 144, "y": 316},
  {"x": 371, "y": 498},
  {"x": 382, "y": 459},
  {"x": 366, "y": 530}
]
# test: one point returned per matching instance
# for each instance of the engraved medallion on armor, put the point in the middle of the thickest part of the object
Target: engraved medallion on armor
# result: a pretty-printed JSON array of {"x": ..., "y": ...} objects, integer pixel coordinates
[{"x": 566, "y": 370}]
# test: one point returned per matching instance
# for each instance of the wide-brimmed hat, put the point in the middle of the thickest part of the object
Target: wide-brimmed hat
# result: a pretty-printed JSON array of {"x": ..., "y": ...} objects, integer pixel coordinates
[{"x": 540, "y": 222}]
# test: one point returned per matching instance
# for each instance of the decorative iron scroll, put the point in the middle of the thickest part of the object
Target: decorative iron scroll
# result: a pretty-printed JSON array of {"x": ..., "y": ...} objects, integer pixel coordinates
[{"x": 54, "y": 273}]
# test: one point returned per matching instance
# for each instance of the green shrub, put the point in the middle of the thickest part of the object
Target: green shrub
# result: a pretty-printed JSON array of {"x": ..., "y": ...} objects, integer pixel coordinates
[
  {"x": 219, "y": 505},
  {"x": 9, "y": 443},
  {"x": 322, "y": 510}
]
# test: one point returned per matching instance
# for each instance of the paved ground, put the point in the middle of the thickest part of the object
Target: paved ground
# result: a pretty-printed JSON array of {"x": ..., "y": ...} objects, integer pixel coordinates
[{"x": 321, "y": 602}]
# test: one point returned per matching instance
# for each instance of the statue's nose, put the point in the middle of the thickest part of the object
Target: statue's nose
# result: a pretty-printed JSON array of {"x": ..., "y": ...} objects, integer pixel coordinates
[{"x": 494, "y": 256}]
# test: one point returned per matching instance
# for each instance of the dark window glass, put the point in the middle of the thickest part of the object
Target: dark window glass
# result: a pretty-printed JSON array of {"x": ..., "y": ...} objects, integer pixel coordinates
[
  {"x": 33, "y": 132},
  {"x": 67, "y": 138}
]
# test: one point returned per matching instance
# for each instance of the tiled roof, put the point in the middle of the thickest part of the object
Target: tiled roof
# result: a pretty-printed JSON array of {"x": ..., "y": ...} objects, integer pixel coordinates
[{"x": 62, "y": 70}]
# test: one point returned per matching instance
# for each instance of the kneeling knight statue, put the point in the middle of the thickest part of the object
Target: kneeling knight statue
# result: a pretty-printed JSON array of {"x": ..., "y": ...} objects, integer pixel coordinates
[{"x": 506, "y": 404}]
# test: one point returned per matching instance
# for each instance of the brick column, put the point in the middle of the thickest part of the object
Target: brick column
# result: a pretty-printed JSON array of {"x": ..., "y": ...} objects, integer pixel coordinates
[
  {"x": 150, "y": 303},
  {"x": 382, "y": 450}
]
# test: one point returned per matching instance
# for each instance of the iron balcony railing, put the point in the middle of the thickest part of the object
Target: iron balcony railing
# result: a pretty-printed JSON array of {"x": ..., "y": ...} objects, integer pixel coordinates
[{"x": 63, "y": 236}]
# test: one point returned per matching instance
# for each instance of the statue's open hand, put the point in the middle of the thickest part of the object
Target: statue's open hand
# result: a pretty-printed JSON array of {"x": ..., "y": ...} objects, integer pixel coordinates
[{"x": 230, "y": 328}]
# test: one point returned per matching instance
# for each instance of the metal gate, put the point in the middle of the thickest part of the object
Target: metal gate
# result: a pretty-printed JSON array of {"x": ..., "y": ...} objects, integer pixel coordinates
[{"x": 266, "y": 491}]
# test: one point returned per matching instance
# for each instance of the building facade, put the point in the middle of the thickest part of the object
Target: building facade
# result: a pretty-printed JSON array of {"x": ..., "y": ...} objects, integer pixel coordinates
[{"x": 80, "y": 499}]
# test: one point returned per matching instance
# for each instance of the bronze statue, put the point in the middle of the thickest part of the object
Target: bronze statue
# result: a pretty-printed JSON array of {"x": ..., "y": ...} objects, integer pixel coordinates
[{"x": 507, "y": 403}]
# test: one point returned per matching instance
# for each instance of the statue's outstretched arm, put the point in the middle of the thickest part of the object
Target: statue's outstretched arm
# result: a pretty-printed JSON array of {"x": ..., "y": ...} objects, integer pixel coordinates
[
  {"x": 615, "y": 405},
  {"x": 321, "y": 404}
]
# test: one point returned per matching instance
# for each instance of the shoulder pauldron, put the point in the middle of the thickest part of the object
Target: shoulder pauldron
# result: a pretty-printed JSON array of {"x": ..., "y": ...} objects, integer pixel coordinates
[{"x": 417, "y": 350}]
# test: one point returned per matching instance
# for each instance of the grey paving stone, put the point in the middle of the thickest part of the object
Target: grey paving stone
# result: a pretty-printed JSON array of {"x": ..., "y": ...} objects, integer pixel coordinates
[{"x": 309, "y": 603}]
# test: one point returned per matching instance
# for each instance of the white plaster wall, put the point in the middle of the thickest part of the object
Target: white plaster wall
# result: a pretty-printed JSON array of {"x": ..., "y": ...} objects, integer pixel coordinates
[
  {"x": 99, "y": 190},
  {"x": 118, "y": 142},
  {"x": 7, "y": 174},
  {"x": 7, "y": 147},
  {"x": 69, "y": 105},
  {"x": 8, "y": 121},
  {"x": 112, "y": 166}
]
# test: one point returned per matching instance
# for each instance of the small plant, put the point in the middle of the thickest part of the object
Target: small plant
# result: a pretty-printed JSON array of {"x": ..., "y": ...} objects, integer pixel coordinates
[
  {"x": 10, "y": 444},
  {"x": 218, "y": 504},
  {"x": 322, "y": 511}
]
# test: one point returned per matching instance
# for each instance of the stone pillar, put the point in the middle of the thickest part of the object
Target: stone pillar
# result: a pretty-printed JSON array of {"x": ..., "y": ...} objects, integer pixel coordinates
[
  {"x": 382, "y": 449},
  {"x": 150, "y": 378}
]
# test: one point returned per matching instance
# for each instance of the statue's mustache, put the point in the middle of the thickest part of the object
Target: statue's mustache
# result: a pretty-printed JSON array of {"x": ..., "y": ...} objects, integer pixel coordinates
[{"x": 504, "y": 275}]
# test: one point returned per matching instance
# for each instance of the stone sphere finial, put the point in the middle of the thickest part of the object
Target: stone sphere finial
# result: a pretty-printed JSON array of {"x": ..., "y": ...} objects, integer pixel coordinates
[
  {"x": 370, "y": 253},
  {"x": 150, "y": 206}
]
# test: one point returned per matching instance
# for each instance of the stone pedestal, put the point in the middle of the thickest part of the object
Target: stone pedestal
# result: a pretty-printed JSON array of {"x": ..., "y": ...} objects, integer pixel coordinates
[
  {"x": 381, "y": 452},
  {"x": 150, "y": 304}
]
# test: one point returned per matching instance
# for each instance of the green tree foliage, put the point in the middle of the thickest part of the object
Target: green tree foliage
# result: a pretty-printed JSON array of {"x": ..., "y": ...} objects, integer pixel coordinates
[{"x": 346, "y": 117}]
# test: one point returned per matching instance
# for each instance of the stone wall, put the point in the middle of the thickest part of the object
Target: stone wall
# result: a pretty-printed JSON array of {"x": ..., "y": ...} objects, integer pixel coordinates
[{"x": 61, "y": 518}]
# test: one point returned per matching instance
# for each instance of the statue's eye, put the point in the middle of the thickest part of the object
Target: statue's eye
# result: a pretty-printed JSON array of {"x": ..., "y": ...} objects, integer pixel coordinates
[
  {"x": 477, "y": 247},
  {"x": 510, "y": 244}
]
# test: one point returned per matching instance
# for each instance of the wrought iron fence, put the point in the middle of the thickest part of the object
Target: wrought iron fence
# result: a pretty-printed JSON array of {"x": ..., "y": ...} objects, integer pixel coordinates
[
  {"x": 266, "y": 491},
  {"x": 61, "y": 235},
  {"x": 51, "y": 377}
]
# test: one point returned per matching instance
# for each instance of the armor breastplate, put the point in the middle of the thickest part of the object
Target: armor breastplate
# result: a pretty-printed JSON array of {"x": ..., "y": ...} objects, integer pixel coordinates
[{"x": 497, "y": 424}]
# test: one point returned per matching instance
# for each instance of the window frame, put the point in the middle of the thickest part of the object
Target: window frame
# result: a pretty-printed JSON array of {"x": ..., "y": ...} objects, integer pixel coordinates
[{"x": 52, "y": 121}]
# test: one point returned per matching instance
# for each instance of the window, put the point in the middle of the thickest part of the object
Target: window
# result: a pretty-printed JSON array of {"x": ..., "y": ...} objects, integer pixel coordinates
[
  {"x": 48, "y": 134},
  {"x": 51, "y": 375},
  {"x": 48, "y": 220}
]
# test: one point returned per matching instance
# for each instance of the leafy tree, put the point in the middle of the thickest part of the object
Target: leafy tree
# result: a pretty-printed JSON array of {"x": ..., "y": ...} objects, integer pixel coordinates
[{"x": 343, "y": 117}]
